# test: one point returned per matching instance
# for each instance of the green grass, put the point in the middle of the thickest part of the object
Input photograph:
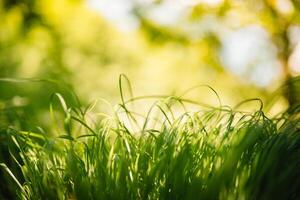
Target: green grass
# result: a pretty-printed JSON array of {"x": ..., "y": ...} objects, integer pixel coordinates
[{"x": 210, "y": 153}]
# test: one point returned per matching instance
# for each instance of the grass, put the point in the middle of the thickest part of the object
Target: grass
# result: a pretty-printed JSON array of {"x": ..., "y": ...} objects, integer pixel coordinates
[{"x": 210, "y": 153}]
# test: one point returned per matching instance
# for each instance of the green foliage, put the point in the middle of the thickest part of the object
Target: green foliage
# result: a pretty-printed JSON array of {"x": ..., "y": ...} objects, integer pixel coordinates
[{"x": 211, "y": 153}]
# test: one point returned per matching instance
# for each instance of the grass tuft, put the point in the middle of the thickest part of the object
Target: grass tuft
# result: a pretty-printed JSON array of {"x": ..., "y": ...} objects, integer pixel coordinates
[{"x": 209, "y": 153}]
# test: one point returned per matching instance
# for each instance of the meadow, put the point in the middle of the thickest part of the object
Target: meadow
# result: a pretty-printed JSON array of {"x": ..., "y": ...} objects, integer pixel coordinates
[{"x": 211, "y": 152}]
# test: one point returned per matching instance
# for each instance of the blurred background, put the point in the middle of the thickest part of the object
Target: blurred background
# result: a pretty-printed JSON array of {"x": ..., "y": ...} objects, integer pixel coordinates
[{"x": 243, "y": 49}]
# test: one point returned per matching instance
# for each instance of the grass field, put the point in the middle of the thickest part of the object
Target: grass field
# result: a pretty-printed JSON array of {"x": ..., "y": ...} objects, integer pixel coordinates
[{"x": 210, "y": 153}]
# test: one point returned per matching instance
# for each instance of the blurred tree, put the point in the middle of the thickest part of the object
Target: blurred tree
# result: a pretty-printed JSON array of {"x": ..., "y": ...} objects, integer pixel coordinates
[
  {"x": 278, "y": 17},
  {"x": 275, "y": 16}
]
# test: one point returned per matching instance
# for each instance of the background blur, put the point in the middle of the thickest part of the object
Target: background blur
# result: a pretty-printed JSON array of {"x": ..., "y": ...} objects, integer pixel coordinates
[{"x": 243, "y": 49}]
